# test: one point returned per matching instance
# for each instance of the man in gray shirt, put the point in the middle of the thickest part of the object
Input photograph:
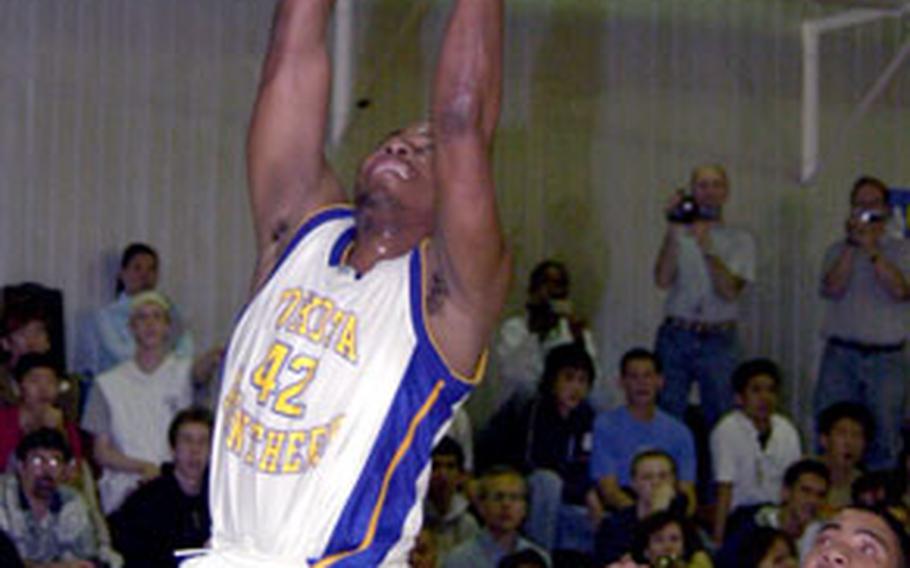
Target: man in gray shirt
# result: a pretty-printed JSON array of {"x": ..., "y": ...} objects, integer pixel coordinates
[
  {"x": 705, "y": 265},
  {"x": 864, "y": 282}
]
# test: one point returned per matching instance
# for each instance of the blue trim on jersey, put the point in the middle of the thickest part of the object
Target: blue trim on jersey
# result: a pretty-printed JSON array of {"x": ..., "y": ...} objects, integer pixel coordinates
[
  {"x": 343, "y": 242},
  {"x": 425, "y": 369},
  {"x": 329, "y": 214}
]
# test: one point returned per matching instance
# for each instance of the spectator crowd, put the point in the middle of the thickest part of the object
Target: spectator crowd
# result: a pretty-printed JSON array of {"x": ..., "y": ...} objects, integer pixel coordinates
[{"x": 107, "y": 467}]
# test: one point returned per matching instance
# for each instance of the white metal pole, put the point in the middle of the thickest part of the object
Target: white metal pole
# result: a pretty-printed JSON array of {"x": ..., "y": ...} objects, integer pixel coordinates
[{"x": 343, "y": 71}]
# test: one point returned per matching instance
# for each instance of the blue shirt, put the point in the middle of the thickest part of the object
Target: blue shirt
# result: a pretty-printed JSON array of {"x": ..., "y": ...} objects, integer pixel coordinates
[{"x": 618, "y": 438}]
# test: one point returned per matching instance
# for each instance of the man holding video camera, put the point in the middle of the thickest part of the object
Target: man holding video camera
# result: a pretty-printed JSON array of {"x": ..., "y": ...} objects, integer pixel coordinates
[
  {"x": 864, "y": 282},
  {"x": 704, "y": 265}
]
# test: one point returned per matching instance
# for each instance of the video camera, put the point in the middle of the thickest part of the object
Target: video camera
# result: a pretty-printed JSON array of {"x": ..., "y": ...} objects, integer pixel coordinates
[
  {"x": 867, "y": 216},
  {"x": 687, "y": 211}
]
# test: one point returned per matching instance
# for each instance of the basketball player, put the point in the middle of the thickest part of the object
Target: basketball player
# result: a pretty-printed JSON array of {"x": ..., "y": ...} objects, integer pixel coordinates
[{"x": 368, "y": 325}]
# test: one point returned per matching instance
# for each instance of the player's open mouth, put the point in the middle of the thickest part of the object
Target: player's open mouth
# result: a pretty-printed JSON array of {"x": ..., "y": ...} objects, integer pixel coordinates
[{"x": 392, "y": 166}]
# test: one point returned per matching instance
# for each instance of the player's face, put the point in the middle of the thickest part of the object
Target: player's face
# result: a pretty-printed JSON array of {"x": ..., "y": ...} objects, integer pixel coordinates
[
  {"x": 570, "y": 388},
  {"x": 150, "y": 325},
  {"x": 668, "y": 541},
  {"x": 710, "y": 187},
  {"x": 504, "y": 505},
  {"x": 191, "y": 450},
  {"x": 139, "y": 274},
  {"x": 845, "y": 444},
  {"x": 641, "y": 382},
  {"x": 759, "y": 399},
  {"x": 651, "y": 473},
  {"x": 806, "y": 496},
  {"x": 399, "y": 176},
  {"x": 780, "y": 555},
  {"x": 39, "y": 387},
  {"x": 855, "y": 539}
]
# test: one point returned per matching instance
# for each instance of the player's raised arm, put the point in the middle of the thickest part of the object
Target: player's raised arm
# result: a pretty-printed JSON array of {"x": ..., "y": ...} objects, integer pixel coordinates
[
  {"x": 288, "y": 174},
  {"x": 468, "y": 252}
]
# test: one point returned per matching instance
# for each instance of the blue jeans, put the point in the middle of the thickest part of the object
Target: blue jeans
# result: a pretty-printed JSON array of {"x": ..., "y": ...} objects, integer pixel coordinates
[
  {"x": 874, "y": 379},
  {"x": 552, "y": 524},
  {"x": 707, "y": 357}
]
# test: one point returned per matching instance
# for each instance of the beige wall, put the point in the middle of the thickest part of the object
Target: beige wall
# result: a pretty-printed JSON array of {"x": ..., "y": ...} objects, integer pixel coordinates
[{"x": 124, "y": 121}]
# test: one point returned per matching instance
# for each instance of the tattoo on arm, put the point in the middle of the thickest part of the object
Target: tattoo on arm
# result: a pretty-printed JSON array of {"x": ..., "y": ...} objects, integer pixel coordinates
[{"x": 439, "y": 289}]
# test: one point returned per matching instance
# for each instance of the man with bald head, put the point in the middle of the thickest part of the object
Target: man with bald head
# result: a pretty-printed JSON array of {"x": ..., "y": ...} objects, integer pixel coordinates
[
  {"x": 705, "y": 265},
  {"x": 368, "y": 325}
]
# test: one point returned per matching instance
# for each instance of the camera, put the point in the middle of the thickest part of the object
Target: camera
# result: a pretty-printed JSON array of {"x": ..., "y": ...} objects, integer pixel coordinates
[
  {"x": 867, "y": 216},
  {"x": 687, "y": 211}
]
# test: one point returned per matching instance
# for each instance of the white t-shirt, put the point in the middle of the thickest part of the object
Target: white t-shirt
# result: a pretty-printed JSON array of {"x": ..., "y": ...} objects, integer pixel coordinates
[
  {"x": 136, "y": 411},
  {"x": 756, "y": 473}
]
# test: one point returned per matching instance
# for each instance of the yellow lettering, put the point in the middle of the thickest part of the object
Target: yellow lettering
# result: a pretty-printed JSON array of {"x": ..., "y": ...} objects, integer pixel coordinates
[
  {"x": 286, "y": 404},
  {"x": 269, "y": 461},
  {"x": 264, "y": 376},
  {"x": 318, "y": 439},
  {"x": 337, "y": 317},
  {"x": 313, "y": 302},
  {"x": 292, "y": 461},
  {"x": 346, "y": 346},
  {"x": 316, "y": 334},
  {"x": 257, "y": 431},
  {"x": 294, "y": 295},
  {"x": 239, "y": 420}
]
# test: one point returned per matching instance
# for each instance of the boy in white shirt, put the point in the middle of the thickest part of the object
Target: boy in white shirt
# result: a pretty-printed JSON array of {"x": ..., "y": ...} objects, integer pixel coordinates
[{"x": 752, "y": 445}]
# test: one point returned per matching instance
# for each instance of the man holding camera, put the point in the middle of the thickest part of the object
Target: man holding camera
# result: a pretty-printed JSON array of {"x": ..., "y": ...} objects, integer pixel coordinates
[
  {"x": 704, "y": 265},
  {"x": 864, "y": 282}
]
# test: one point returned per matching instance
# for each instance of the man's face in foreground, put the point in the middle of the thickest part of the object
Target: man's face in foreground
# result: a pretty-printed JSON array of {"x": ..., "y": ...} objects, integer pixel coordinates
[{"x": 855, "y": 539}]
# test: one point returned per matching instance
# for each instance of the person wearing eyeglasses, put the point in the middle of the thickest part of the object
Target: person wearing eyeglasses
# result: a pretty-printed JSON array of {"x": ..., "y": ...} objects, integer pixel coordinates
[
  {"x": 49, "y": 523},
  {"x": 866, "y": 290},
  {"x": 503, "y": 504},
  {"x": 705, "y": 266}
]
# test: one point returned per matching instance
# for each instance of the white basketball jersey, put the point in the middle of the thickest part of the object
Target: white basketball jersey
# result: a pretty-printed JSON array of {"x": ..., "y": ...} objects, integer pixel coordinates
[{"x": 333, "y": 396}]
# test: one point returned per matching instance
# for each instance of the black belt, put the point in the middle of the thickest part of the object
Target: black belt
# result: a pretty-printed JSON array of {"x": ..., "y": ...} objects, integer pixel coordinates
[
  {"x": 701, "y": 326},
  {"x": 866, "y": 348}
]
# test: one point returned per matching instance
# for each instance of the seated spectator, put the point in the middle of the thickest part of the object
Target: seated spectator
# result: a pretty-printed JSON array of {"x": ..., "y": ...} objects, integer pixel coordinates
[
  {"x": 845, "y": 429},
  {"x": 766, "y": 548},
  {"x": 752, "y": 445},
  {"x": 859, "y": 537},
  {"x": 502, "y": 500},
  {"x": 22, "y": 332},
  {"x": 875, "y": 490},
  {"x": 38, "y": 380},
  {"x": 110, "y": 340},
  {"x": 802, "y": 497},
  {"x": 655, "y": 488},
  {"x": 548, "y": 438},
  {"x": 49, "y": 523},
  {"x": 171, "y": 512},
  {"x": 424, "y": 554},
  {"x": 549, "y": 321},
  {"x": 667, "y": 539},
  {"x": 130, "y": 405},
  {"x": 446, "y": 509},
  {"x": 621, "y": 434}
]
